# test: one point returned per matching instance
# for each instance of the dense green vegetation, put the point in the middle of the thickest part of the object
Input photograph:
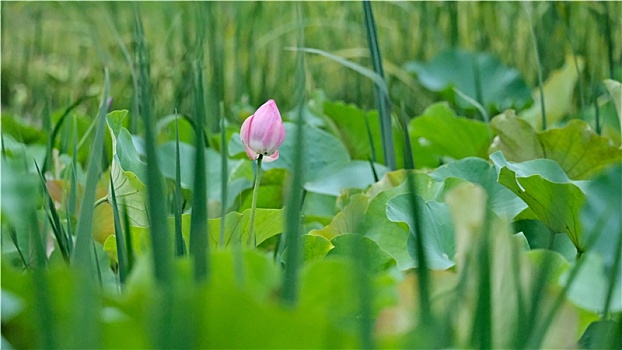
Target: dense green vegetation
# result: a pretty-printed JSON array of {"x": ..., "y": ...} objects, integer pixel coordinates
[{"x": 451, "y": 175}]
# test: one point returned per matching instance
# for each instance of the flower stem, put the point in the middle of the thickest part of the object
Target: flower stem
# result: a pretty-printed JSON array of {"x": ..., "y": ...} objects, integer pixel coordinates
[{"x": 251, "y": 234}]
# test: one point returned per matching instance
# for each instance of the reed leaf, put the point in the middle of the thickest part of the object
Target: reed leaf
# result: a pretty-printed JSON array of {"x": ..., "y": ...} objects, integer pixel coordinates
[{"x": 82, "y": 253}]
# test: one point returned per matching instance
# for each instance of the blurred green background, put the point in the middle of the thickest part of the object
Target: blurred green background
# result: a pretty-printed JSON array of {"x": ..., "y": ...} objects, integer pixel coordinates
[{"x": 55, "y": 52}]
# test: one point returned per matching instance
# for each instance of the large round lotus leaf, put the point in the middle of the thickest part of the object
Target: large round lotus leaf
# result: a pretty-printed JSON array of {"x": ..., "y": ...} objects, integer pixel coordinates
[{"x": 500, "y": 87}]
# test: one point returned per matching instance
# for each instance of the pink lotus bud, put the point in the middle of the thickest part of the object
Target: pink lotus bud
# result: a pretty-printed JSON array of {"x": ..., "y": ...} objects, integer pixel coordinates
[{"x": 263, "y": 133}]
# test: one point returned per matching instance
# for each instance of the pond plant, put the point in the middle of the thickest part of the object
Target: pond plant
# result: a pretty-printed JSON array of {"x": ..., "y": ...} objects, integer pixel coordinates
[{"x": 437, "y": 175}]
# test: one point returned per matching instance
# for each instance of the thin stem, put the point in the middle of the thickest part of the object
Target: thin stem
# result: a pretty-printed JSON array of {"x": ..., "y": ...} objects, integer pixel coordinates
[
  {"x": 538, "y": 66},
  {"x": 251, "y": 235}
]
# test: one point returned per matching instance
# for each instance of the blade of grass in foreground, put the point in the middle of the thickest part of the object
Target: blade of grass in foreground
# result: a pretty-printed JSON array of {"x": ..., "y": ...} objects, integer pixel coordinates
[
  {"x": 382, "y": 98},
  {"x": 408, "y": 151},
  {"x": 120, "y": 239},
  {"x": 289, "y": 295},
  {"x": 82, "y": 253},
  {"x": 198, "y": 224},
  {"x": 427, "y": 322},
  {"x": 54, "y": 219},
  {"x": 73, "y": 193},
  {"x": 223, "y": 173},
  {"x": 162, "y": 254},
  {"x": 482, "y": 324},
  {"x": 44, "y": 320},
  {"x": 180, "y": 245}
]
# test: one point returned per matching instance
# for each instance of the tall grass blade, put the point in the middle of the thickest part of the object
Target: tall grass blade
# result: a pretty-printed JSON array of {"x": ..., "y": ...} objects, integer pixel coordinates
[
  {"x": 13, "y": 236},
  {"x": 162, "y": 254},
  {"x": 84, "y": 239},
  {"x": 223, "y": 173},
  {"x": 216, "y": 57},
  {"x": 38, "y": 257},
  {"x": 483, "y": 323},
  {"x": 373, "y": 76},
  {"x": 43, "y": 309},
  {"x": 382, "y": 98},
  {"x": 538, "y": 64},
  {"x": 521, "y": 316},
  {"x": 289, "y": 294},
  {"x": 427, "y": 322},
  {"x": 597, "y": 112},
  {"x": 2, "y": 143},
  {"x": 360, "y": 256},
  {"x": 120, "y": 239},
  {"x": 57, "y": 127},
  {"x": 128, "y": 237},
  {"x": 409, "y": 163},
  {"x": 422, "y": 262},
  {"x": 47, "y": 125},
  {"x": 73, "y": 192},
  {"x": 198, "y": 225},
  {"x": 180, "y": 245},
  {"x": 54, "y": 219},
  {"x": 609, "y": 36},
  {"x": 97, "y": 267}
]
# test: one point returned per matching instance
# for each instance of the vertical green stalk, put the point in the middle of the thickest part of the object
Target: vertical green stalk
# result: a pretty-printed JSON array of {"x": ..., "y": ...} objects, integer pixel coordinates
[
  {"x": 180, "y": 245},
  {"x": 44, "y": 315},
  {"x": 156, "y": 211},
  {"x": 289, "y": 295},
  {"x": 223, "y": 173},
  {"x": 596, "y": 112},
  {"x": 37, "y": 243},
  {"x": 608, "y": 35},
  {"x": 427, "y": 322},
  {"x": 251, "y": 233},
  {"x": 47, "y": 124},
  {"x": 409, "y": 163},
  {"x": 13, "y": 236},
  {"x": 538, "y": 65},
  {"x": 613, "y": 276},
  {"x": 425, "y": 311},
  {"x": 216, "y": 56},
  {"x": 520, "y": 302},
  {"x": 82, "y": 253},
  {"x": 54, "y": 219},
  {"x": 482, "y": 324},
  {"x": 382, "y": 99},
  {"x": 453, "y": 23},
  {"x": 128, "y": 237},
  {"x": 120, "y": 239},
  {"x": 198, "y": 225},
  {"x": 360, "y": 256},
  {"x": 71, "y": 202}
]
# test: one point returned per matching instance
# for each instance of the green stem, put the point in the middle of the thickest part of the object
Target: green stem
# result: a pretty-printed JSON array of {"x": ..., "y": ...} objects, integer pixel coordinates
[
  {"x": 100, "y": 201},
  {"x": 251, "y": 234}
]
